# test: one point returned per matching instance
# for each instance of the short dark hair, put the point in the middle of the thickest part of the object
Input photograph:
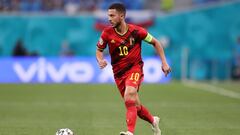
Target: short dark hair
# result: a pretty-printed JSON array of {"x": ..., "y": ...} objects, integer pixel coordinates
[{"x": 119, "y": 7}]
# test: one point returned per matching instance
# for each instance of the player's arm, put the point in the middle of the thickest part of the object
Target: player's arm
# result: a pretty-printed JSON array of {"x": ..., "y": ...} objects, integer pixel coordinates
[
  {"x": 101, "y": 45},
  {"x": 159, "y": 49},
  {"x": 102, "y": 63}
]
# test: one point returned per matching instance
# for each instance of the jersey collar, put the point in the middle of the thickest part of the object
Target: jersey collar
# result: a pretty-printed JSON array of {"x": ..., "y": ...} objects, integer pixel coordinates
[{"x": 122, "y": 34}]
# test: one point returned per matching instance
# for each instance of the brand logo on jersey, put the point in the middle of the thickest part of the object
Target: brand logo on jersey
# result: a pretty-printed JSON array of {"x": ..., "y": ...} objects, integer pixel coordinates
[
  {"x": 112, "y": 41},
  {"x": 101, "y": 41}
]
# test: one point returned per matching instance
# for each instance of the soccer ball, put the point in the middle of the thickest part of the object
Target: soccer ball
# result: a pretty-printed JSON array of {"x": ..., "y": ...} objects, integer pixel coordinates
[{"x": 64, "y": 131}]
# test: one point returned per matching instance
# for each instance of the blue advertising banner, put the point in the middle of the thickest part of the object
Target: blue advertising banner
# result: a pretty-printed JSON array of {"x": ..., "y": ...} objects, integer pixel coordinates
[{"x": 69, "y": 70}]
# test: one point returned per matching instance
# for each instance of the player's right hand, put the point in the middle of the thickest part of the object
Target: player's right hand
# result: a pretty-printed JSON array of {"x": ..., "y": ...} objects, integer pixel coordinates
[{"x": 102, "y": 64}]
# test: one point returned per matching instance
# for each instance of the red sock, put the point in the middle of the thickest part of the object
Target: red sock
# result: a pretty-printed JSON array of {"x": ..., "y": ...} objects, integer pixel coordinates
[
  {"x": 144, "y": 114},
  {"x": 131, "y": 115}
]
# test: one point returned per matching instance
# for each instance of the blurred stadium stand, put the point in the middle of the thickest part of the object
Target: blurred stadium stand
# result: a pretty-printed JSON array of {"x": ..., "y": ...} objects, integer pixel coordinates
[
  {"x": 91, "y": 5},
  {"x": 207, "y": 29}
]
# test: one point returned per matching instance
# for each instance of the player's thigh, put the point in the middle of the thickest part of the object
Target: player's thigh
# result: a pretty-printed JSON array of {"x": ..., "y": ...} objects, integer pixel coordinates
[
  {"x": 130, "y": 93},
  {"x": 133, "y": 82}
]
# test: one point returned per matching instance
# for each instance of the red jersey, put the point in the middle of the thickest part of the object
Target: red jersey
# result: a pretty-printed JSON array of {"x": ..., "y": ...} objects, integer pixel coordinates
[{"x": 125, "y": 50}]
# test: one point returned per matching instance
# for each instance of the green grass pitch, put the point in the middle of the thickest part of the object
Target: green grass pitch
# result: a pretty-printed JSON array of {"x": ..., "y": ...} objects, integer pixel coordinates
[{"x": 99, "y": 110}]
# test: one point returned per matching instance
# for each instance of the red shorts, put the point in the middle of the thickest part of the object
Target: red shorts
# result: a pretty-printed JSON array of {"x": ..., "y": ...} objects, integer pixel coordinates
[{"x": 133, "y": 77}]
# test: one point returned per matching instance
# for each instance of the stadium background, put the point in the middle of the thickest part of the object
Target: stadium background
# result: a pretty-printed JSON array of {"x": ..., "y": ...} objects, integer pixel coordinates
[{"x": 54, "y": 41}]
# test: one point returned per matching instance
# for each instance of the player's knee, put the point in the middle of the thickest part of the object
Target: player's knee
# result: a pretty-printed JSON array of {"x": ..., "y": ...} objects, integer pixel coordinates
[
  {"x": 129, "y": 97},
  {"x": 130, "y": 94}
]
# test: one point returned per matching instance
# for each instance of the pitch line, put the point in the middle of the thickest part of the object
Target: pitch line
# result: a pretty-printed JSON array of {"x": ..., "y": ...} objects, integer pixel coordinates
[{"x": 212, "y": 88}]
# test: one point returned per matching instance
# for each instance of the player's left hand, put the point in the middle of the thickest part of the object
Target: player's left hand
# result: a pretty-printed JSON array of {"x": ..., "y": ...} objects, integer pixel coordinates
[{"x": 166, "y": 69}]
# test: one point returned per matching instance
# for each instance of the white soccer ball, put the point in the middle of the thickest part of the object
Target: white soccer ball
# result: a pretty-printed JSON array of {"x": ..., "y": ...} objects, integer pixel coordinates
[{"x": 64, "y": 131}]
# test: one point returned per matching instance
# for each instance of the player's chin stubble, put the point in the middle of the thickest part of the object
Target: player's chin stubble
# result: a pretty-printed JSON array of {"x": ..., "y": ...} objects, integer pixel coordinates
[{"x": 116, "y": 25}]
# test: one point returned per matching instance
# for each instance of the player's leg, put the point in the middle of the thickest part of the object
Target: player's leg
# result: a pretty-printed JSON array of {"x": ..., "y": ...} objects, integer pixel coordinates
[
  {"x": 132, "y": 82},
  {"x": 143, "y": 112},
  {"x": 133, "y": 104},
  {"x": 130, "y": 103},
  {"x": 131, "y": 113}
]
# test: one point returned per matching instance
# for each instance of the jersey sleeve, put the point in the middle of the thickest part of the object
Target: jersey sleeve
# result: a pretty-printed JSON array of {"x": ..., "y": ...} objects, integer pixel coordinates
[
  {"x": 144, "y": 35},
  {"x": 102, "y": 42}
]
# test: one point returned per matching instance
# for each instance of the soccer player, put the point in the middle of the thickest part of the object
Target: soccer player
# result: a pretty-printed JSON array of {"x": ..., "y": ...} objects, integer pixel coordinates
[{"x": 124, "y": 43}]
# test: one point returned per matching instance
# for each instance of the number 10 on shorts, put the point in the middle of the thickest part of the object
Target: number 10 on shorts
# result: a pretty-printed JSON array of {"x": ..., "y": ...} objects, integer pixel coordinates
[{"x": 134, "y": 77}]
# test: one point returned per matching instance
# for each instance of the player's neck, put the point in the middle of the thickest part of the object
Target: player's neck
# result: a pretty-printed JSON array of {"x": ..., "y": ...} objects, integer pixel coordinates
[{"x": 122, "y": 28}]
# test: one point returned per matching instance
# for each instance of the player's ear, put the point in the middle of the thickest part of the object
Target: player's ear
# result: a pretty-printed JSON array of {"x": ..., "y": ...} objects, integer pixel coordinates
[{"x": 122, "y": 15}]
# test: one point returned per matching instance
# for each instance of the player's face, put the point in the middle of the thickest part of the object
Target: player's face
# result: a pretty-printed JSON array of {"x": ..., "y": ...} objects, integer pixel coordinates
[{"x": 115, "y": 17}]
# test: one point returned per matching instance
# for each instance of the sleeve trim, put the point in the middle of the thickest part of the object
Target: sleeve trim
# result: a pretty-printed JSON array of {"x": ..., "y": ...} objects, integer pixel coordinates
[{"x": 100, "y": 49}]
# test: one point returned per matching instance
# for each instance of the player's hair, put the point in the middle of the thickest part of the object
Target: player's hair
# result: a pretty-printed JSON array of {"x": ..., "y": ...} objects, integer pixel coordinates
[{"x": 119, "y": 7}]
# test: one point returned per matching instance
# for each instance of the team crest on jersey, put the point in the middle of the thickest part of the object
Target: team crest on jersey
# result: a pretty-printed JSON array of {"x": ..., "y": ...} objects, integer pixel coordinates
[
  {"x": 112, "y": 41},
  {"x": 131, "y": 41},
  {"x": 100, "y": 41}
]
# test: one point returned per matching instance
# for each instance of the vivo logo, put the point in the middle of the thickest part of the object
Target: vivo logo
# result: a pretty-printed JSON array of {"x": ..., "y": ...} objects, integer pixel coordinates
[
  {"x": 77, "y": 72},
  {"x": 72, "y": 70}
]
